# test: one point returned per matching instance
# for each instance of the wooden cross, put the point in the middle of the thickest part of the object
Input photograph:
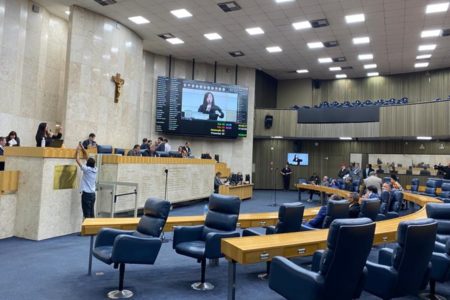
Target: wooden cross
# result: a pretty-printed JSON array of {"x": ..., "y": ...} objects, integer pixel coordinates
[{"x": 119, "y": 84}]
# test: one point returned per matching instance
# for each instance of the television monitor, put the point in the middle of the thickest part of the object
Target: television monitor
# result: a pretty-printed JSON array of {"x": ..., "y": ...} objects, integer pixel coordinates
[
  {"x": 297, "y": 159},
  {"x": 201, "y": 108}
]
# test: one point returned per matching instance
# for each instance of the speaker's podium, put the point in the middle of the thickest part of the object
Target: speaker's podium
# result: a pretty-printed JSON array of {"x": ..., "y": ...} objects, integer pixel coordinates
[{"x": 243, "y": 191}]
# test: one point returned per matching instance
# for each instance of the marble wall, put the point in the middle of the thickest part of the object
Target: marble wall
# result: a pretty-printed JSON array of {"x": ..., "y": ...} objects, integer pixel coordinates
[
  {"x": 7, "y": 215},
  {"x": 32, "y": 60}
]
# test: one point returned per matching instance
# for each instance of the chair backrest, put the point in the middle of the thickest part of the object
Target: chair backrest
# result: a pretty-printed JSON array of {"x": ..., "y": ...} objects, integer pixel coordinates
[
  {"x": 222, "y": 215},
  {"x": 445, "y": 192},
  {"x": 355, "y": 184},
  {"x": 343, "y": 262},
  {"x": 104, "y": 149},
  {"x": 119, "y": 151},
  {"x": 397, "y": 201},
  {"x": 155, "y": 216},
  {"x": 415, "y": 185},
  {"x": 336, "y": 209},
  {"x": 370, "y": 208},
  {"x": 413, "y": 252},
  {"x": 385, "y": 198},
  {"x": 386, "y": 179},
  {"x": 290, "y": 216},
  {"x": 430, "y": 187},
  {"x": 441, "y": 213},
  {"x": 437, "y": 181}
]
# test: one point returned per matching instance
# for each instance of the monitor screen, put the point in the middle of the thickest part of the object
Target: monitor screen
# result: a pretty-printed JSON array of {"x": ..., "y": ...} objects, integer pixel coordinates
[
  {"x": 191, "y": 107},
  {"x": 297, "y": 159}
]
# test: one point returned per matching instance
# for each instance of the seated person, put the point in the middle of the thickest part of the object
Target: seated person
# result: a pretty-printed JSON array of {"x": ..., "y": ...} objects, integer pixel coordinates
[
  {"x": 354, "y": 207},
  {"x": 314, "y": 179},
  {"x": 45, "y": 134},
  {"x": 240, "y": 178},
  {"x": 136, "y": 151},
  {"x": 380, "y": 170},
  {"x": 2, "y": 147},
  {"x": 317, "y": 221},
  {"x": 425, "y": 172},
  {"x": 160, "y": 145},
  {"x": 325, "y": 181},
  {"x": 209, "y": 107},
  {"x": 386, "y": 187},
  {"x": 395, "y": 184},
  {"x": 348, "y": 182},
  {"x": 217, "y": 182},
  {"x": 372, "y": 193},
  {"x": 146, "y": 143},
  {"x": 90, "y": 142},
  {"x": 12, "y": 140}
]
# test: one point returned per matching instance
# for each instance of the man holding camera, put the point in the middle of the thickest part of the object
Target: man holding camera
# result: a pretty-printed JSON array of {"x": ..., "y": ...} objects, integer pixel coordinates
[{"x": 445, "y": 170}]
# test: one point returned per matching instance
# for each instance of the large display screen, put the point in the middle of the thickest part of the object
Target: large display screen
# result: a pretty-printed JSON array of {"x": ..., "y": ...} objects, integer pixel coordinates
[
  {"x": 191, "y": 107},
  {"x": 297, "y": 159}
]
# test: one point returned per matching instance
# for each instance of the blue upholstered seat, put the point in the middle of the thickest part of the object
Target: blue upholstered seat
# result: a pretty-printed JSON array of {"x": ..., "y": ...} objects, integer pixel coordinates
[
  {"x": 104, "y": 149},
  {"x": 119, "y": 151},
  {"x": 445, "y": 192},
  {"x": 415, "y": 185},
  {"x": 370, "y": 209},
  {"x": 441, "y": 213},
  {"x": 440, "y": 268},
  {"x": 431, "y": 186},
  {"x": 336, "y": 209}
]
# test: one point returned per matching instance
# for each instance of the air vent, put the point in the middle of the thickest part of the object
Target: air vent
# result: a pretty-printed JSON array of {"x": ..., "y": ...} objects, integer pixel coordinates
[
  {"x": 319, "y": 23},
  {"x": 446, "y": 32},
  {"x": 330, "y": 44},
  {"x": 35, "y": 8},
  {"x": 339, "y": 59},
  {"x": 236, "y": 53},
  {"x": 347, "y": 68},
  {"x": 106, "y": 2},
  {"x": 229, "y": 6},
  {"x": 166, "y": 36}
]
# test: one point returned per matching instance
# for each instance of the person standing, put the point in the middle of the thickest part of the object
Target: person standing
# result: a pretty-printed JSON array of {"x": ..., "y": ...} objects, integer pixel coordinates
[
  {"x": 217, "y": 182},
  {"x": 87, "y": 184},
  {"x": 343, "y": 171},
  {"x": 286, "y": 173},
  {"x": 2, "y": 148}
]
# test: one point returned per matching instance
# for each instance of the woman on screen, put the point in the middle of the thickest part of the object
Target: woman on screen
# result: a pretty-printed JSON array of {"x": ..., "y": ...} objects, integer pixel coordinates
[{"x": 208, "y": 107}]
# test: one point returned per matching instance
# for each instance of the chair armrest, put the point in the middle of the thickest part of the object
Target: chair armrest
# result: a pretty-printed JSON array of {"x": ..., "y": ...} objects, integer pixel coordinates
[
  {"x": 380, "y": 217},
  {"x": 317, "y": 257},
  {"x": 106, "y": 236},
  {"x": 212, "y": 243},
  {"x": 440, "y": 266},
  {"x": 381, "y": 280},
  {"x": 290, "y": 280},
  {"x": 391, "y": 215},
  {"x": 439, "y": 247},
  {"x": 250, "y": 232},
  {"x": 135, "y": 250},
  {"x": 360, "y": 285},
  {"x": 270, "y": 230},
  {"x": 307, "y": 228},
  {"x": 183, "y": 234}
]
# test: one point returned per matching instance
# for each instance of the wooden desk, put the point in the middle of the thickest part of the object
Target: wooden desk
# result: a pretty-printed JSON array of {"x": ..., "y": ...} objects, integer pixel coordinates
[
  {"x": 255, "y": 249},
  {"x": 243, "y": 191},
  {"x": 9, "y": 182}
]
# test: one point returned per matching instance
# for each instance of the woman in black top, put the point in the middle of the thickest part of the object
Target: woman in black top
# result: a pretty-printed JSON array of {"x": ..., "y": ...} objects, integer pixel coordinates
[
  {"x": 354, "y": 207},
  {"x": 286, "y": 172},
  {"x": 208, "y": 107},
  {"x": 44, "y": 132},
  {"x": 12, "y": 139}
]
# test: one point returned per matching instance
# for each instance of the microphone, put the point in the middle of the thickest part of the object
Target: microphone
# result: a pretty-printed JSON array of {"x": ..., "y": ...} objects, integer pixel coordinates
[{"x": 166, "y": 171}]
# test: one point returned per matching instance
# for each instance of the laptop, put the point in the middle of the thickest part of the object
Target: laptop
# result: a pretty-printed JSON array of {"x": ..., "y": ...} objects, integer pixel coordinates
[{"x": 56, "y": 143}]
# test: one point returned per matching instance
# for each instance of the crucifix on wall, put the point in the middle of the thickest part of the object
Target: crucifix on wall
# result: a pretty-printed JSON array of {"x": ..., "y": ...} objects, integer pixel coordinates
[{"x": 119, "y": 84}]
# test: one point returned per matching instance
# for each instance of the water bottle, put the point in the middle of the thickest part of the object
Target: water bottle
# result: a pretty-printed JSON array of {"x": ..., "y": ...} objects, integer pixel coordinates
[
  {"x": 205, "y": 209},
  {"x": 43, "y": 142}
]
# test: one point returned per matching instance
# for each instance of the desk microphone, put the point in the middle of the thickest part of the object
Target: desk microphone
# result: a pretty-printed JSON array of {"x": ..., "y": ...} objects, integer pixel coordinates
[{"x": 166, "y": 171}]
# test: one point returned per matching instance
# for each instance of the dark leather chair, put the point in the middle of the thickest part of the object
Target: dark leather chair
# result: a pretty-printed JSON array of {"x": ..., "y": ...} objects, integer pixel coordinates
[
  {"x": 430, "y": 189},
  {"x": 203, "y": 241},
  {"x": 133, "y": 247},
  {"x": 370, "y": 209},
  {"x": 440, "y": 270},
  {"x": 337, "y": 273},
  {"x": 386, "y": 202},
  {"x": 415, "y": 185},
  {"x": 104, "y": 149},
  {"x": 355, "y": 185},
  {"x": 441, "y": 213},
  {"x": 336, "y": 209},
  {"x": 396, "y": 201},
  {"x": 445, "y": 192},
  {"x": 119, "y": 151},
  {"x": 405, "y": 269}
]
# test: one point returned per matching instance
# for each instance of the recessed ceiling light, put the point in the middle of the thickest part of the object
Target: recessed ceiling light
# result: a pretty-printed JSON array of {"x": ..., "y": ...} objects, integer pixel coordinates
[
  {"x": 301, "y": 25},
  {"x": 427, "y": 47},
  {"x": 236, "y": 53},
  {"x": 345, "y": 138},
  {"x": 254, "y": 30},
  {"x": 283, "y": 1},
  {"x": 315, "y": 45},
  {"x": 355, "y": 18},
  {"x": 426, "y": 138},
  {"x": 424, "y": 56},
  {"x": 437, "y": 7},
  {"x": 430, "y": 33},
  {"x": 335, "y": 68},
  {"x": 274, "y": 49},
  {"x": 302, "y": 71},
  {"x": 181, "y": 13},
  {"x": 67, "y": 12},
  {"x": 341, "y": 76},
  {"x": 175, "y": 41},
  {"x": 371, "y": 74},
  {"x": 421, "y": 65},
  {"x": 324, "y": 60},
  {"x": 229, "y": 6},
  {"x": 138, "y": 20},
  {"x": 361, "y": 40},
  {"x": 213, "y": 36},
  {"x": 365, "y": 56},
  {"x": 370, "y": 66}
]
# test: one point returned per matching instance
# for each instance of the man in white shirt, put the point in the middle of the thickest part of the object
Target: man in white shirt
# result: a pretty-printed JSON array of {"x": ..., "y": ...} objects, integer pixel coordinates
[
  {"x": 373, "y": 180},
  {"x": 87, "y": 184},
  {"x": 167, "y": 147}
]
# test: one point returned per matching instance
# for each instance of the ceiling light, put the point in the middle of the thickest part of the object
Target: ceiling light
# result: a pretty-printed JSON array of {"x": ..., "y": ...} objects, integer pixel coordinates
[
  {"x": 345, "y": 138},
  {"x": 276, "y": 137},
  {"x": 315, "y": 45},
  {"x": 371, "y": 74},
  {"x": 138, "y": 20},
  {"x": 181, "y": 13},
  {"x": 361, "y": 40},
  {"x": 438, "y": 7},
  {"x": 431, "y": 33},
  {"x": 274, "y": 49},
  {"x": 421, "y": 65},
  {"x": 236, "y": 53},
  {"x": 355, "y": 18},
  {"x": 254, "y": 30},
  {"x": 341, "y": 76},
  {"x": 424, "y": 56},
  {"x": 365, "y": 56},
  {"x": 324, "y": 60},
  {"x": 427, "y": 47},
  {"x": 302, "y": 71},
  {"x": 175, "y": 41},
  {"x": 335, "y": 68},
  {"x": 67, "y": 12},
  {"x": 283, "y": 1},
  {"x": 424, "y": 138},
  {"x": 370, "y": 66},
  {"x": 213, "y": 36},
  {"x": 301, "y": 25},
  {"x": 229, "y": 6}
]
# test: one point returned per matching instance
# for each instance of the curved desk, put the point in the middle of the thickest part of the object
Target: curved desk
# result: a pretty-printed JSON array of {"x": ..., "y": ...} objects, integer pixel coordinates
[{"x": 255, "y": 249}]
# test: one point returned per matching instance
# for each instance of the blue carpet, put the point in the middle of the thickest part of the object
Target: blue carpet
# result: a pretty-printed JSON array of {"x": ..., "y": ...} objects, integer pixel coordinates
[{"x": 57, "y": 268}]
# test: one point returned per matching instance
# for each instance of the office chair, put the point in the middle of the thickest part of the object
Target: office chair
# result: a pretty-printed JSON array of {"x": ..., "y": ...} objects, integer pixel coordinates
[
  {"x": 370, "y": 209},
  {"x": 441, "y": 213},
  {"x": 104, "y": 149},
  {"x": 440, "y": 270},
  {"x": 445, "y": 192},
  {"x": 415, "y": 185}
]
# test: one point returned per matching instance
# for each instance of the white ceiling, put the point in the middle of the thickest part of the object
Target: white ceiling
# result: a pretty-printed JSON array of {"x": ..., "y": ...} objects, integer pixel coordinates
[{"x": 393, "y": 26}]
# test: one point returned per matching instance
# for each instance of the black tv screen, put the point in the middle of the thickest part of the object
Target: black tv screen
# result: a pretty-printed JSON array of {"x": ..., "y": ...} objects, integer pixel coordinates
[{"x": 191, "y": 107}]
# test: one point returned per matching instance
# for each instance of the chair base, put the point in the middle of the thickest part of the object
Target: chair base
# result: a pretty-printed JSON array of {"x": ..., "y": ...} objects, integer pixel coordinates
[
  {"x": 123, "y": 294},
  {"x": 202, "y": 286},
  {"x": 263, "y": 276},
  {"x": 428, "y": 296}
]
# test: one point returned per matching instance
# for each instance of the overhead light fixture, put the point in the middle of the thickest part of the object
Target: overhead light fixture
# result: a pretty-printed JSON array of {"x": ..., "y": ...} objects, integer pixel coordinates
[
  {"x": 229, "y": 6},
  {"x": 372, "y": 74},
  {"x": 175, "y": 41},
  {"x": 431, "y": 33},
  {"x": 325, "y": 60},
  {"x": 437, "y": 7},
  {"x": 212, "y": 36},
  {"x": 283, "y": 1},
  {"x": 274, "y": 49},
  {"x": 345, "y": 138},
  {"x": 424, "y": 138},
  {"x": 301, "y": 25},
  {"x": 339, "y": 59},
  {"x": 361, "y": 40},
  {"x": 335, "y": 68},
  {"x": 181, "y": 13},
  {"x": 365, "y": 56},
  {"x": 427, "y": 47},
  {"x": 421, "y": 65},
  {"x": 319, "y": 23},
  {"x": 236, "y": 53},
  {"x": 67, "y": 12},
  {"x": 339, "y": 76},
  {"x": 301, "y": 71},
  {"x": 355, "y": 18},
  {"x": 423, "y": 56},
  {"x": 254, "y": 30},
  {"x": 370, "y": 66},
  {"x": 276, "y": 137},
  {"x": 331, "y": 44},
  {"x": 315, "y": 45},
  {"x": 138, "y": 20}
]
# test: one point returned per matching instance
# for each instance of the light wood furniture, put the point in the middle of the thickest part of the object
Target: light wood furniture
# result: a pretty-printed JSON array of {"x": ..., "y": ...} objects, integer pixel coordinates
[
  {"x": 243, "y": 191},
  {"x": 9, "y": 182},
  {"x": 223, "y": 169},
  {"x": 117, "y": 160},
  {"x": 43, "y": 152}
]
